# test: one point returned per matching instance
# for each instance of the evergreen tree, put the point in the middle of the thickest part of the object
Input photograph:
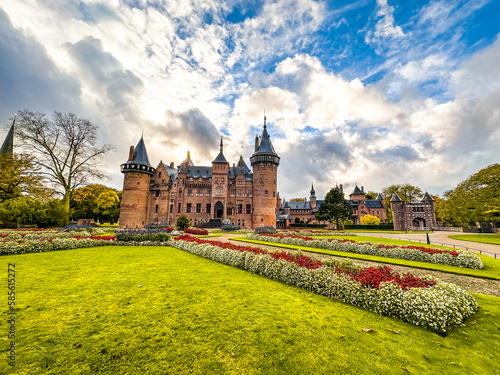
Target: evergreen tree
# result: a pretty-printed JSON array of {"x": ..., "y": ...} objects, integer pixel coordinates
[
  {"x": 182, "y": 222},
  {"x": 334, "y": 209}
]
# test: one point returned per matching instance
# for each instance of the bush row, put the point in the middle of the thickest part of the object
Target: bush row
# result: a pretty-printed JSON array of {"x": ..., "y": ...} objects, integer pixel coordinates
[
  {"x": 437, "y": 308},
  {"x": 316, "y": 233},
  {"x": 459, "y": 258}
]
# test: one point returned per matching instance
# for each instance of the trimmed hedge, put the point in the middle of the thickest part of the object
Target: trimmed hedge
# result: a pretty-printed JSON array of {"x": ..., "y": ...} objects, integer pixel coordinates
[
  {"x": 371, "y": 227},
  {"x": 304, "y": 225}
]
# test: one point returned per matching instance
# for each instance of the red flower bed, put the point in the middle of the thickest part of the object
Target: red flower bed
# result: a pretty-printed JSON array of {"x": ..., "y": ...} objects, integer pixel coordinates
[
  {"x": 196, "y": 231},
  {"x": 382, "y": 246},
  {"x": 370, "y": 277}
]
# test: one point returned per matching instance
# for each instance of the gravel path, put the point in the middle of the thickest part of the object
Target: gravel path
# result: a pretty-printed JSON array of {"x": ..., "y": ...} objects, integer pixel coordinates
[{"x": 472, "y": 284}]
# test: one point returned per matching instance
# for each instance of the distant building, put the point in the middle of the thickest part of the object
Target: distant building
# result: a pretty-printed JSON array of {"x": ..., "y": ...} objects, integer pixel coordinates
[
  {"x": 413, "y": 216},
  {"x": 362, "y": 206}
]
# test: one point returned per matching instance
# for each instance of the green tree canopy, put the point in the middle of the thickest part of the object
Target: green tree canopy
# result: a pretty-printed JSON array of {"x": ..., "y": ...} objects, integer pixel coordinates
[
  {"x": 334, "y": 208},
  {"x": 27, "y": 211},
  {"x": 477, "y": 199},
  {"x": 18, "y": 175},
  {"x": 95, "y": 201},
  {"x": 371, "y": 195},
  {"x": 182, "y": 222}
]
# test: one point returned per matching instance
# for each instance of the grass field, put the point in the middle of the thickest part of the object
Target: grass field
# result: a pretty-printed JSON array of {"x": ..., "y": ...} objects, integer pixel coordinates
[
  {"x": 483, "y": 238},
  {"x": 491, "y": 268},
  {"x": 148, "y": 310}
]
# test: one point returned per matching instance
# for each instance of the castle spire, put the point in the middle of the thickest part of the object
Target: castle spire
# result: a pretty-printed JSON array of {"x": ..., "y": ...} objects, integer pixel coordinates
[
  {"x": 7, "y": 150},
  {"x": 313, "y": 192},
  {"x": 220, "y": 158}
]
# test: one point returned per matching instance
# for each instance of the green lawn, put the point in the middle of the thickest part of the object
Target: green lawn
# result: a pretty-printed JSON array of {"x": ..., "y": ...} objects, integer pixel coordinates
[
  {"x": 493, "y": 238},
  {"x": 491, "y": 268},
  {"x": 83, "y": 312},
  {"x": 384, "y": 231}
]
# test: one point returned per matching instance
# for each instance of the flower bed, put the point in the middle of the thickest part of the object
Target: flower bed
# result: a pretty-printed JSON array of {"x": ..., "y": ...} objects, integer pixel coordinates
[
  {"x": 312, "y": 232},
  {"x": 458, "y": 258},
  {"x": 196, "y": 231},
  {"x": 423, "y": 301}
]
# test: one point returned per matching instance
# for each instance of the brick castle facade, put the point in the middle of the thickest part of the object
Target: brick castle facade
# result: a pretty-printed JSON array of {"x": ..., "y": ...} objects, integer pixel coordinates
[{"x": 237, "y": 194}]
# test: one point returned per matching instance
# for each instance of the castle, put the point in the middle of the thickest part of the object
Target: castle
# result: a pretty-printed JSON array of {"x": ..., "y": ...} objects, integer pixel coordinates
[
  {"x": 237, "y": 194},
  {"x": 413, "y": 216}
]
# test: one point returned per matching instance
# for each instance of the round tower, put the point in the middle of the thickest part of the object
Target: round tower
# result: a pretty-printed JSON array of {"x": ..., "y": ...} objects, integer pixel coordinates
[
  {"x": 265, "y": 163},
  {"x": 137, "y": 174}
]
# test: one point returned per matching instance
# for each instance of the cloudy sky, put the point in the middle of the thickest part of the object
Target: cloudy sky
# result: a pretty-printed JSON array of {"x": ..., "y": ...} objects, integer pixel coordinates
[{"x": 373, "y": 92}]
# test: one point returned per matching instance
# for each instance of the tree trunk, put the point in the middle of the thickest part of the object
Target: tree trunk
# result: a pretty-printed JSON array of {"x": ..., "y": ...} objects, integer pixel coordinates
[{"x": 66, "y": 201}]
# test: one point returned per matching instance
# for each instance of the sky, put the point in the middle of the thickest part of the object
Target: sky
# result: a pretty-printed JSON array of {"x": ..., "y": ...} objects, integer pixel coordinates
[{"x": 368, "y": 92}]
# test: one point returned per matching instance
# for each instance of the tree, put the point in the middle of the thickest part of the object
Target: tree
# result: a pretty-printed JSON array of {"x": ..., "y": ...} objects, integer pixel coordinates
[
  {"x": 18, "y": 175},
  {"x": 369, "y": 220},
  {"x": 408, "y": 194},
  {"x": 334, "y": 208},
  {"x": 371, "y": 195},
  {"x": 64, "y": 148},
  {"x": 27, "y": 211},
  {"x": 84, "y": 201},
  {"x": 182, "y": 222},
  {"x": 477, "y": 199},
  {"x": 108, "y": 206}
]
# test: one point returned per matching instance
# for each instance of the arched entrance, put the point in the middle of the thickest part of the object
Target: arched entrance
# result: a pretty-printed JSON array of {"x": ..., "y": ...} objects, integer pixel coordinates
[
  {"x": 418, "y": 222},
  {"x": 218, "y": 210}
]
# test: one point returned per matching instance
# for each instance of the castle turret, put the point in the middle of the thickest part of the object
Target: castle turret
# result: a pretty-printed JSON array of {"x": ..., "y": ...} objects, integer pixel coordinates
[
  {"x": 220, "y": 177},
  {"x": 312, "y": 197},
  {"x": 134, "y": 204},
  {"x": 265, "y": 163},
  {"x": 398, "y": 212}
]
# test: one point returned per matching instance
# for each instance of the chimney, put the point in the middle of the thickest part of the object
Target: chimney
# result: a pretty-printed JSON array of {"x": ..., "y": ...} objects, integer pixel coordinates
[
  {"x": 172, "y": 164},
  {"x": 234, "y": 165},
  {"x": 131, "y": 153},
  {"x": 256, "y": 143},
  {"x": 341, "y": 188},
  {"x": 363, "y": 189},
  {"x": 189, "y": 155}
]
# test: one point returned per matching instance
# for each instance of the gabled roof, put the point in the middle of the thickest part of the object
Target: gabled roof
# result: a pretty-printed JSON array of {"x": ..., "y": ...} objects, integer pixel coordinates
[
  {"x": 7, "y": 149},
  {"x": 242, "y": 164},
  {"x": 373, "y": 203},
  {"x": 396, "y": 198},
  {"x": 235, "y": 171},
  {"x": 299, "y": 205},
  {"x": 380, "y": 197}
]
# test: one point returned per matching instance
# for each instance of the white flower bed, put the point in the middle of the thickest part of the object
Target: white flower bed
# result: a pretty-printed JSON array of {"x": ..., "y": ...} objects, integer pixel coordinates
[
  {"x": 437, "y": 308},
  {"x": 465, "y": 259},
  {"x": 314, "y": 233}
]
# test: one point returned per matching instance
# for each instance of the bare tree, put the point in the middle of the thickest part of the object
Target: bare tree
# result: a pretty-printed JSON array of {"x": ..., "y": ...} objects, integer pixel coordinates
[{"x": 65, "y": 149}]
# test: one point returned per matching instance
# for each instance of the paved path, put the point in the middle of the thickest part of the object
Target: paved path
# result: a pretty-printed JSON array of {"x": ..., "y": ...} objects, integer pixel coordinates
[
  {"x": 472, "y": 284},
  {"x": 438, "y": 238}
]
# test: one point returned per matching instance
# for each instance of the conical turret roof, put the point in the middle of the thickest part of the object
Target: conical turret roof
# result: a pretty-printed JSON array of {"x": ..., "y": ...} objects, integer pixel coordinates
[
  {"x": 7, "y": 150},
  {"x": 313, "y": 192},
  {"x": 380, "y": 197},
  {"x": 357, "y": 191},
  {"x": 140, "y": 154},
  {"x": 265, "y": 144}
]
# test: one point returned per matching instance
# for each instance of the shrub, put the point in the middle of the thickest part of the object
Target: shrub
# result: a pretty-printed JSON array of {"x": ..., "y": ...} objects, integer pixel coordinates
[
  {"x": 369, "y": 220},
  {"x": 267, "y": 229},
  {"x": 159, "y": 226},
  {"x": 197, "y": 231},
  {"x": 141, "y": 235},
  {"x": 182, "y": 222},
  {"x": 230, "y": 227}
]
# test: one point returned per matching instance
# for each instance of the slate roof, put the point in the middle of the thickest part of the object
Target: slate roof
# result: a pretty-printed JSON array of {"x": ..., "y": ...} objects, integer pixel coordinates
[
  {"x": 172, "y": 173},
  {"x": 140, "y": 154},
  {"x": 427, "y": 198},
  {"x": 195, "y": 171},
  {"x": 299, "y": 205},
  {"x": 396, "y": 198},
  {"x": 380, "y": 197},
  {"x": 220, "y": 158},
  {"x": 373, "y": 203},
  {"x": 242, "y": 164},
  {"x": 357, "y": 190},
  {"x": 235, "y": 171},
  {"x": 7, "y": 149},
  {"x": 265, "y": 144}
]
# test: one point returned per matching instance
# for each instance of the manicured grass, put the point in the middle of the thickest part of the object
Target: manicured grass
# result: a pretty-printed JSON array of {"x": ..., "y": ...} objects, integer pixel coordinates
[
  {"x": 83, "y": 312},
  {"x": 493, "y": 238},
  {"x": 491, "y": 268},
  {"x": 384, "y": 231}
]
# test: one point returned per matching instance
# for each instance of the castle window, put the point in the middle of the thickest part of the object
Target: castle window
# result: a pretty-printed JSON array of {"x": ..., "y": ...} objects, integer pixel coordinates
[
  {"x": 266, "y": 193},
  {"x": 190, "y": 193},
  {"x": 216, "y": 180},
  {"x": 180, "y": 193},
  {"x": 191, "y": 179},
  {"x": 209, "y": 208},
  {"x": 222, "y": 180},
  {"x": 188, "y": 207},
  {"x": 209, "y": 192},
  {"x": 218, "y": 191},
  {"x": 198, "y": 208},
  {"x": 240, "y": 182},
  {"x": 229, "y": 211},
  {"x": 159, "y": 174},
  {"x": 261, "y": 178},
  {"x": 249, "y": 192},
  {"x": 199, "y": 193},
  {"x": 138, "y": 183},
  {"x": 157, "y": 193},
  {"x": 200, "y": 179},
  {"x": 171, "y": 208},
  {"x": 274, "y": 194},
  {"x": 240, "y": 208},
  {"x": 249, "y": 209},
  {"x": 240, "y": 191},
  {"x": 179, "y": 208},
  {"x": 156, "y": 209}
]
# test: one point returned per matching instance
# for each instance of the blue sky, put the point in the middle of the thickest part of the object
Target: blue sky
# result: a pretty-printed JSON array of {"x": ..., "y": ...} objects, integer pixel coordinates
[{"x": 373, "y": 92}]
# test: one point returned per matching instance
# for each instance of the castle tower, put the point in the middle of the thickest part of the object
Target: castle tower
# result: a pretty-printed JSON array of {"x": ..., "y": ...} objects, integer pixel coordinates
[
  {"x": 265, "y": 163},
  {"x": 137, "y": 171},
  {"x": 220, "y": 177},
  {"x": 312, "y": 197},
  {"x": 398, "y": 212}
]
